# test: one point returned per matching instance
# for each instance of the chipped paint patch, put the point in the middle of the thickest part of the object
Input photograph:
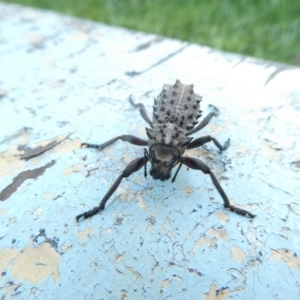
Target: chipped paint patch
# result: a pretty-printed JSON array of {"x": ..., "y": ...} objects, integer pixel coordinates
[
  {"x": 217, "y": 129},
  {"x": 126, "y": 195},
  {"x": 220, "y": 233},
  {"x": 241, "y": 150},
  {"x": 38, "y": 212},
  {"x": 43, "y": 146},
  {"x": 32, "y": 264},
  {"x": 7, "y": 255},
  {"x": 10, "y": 162},
  {"x": 222, "y": 217},
  {"x": 119, "y": 257},
  {"x": 268, "y": 150},
  {"x": 127, "y": 158},
  {"x": 48, "y": 196},
  {"x": 19, "y": 179},
  {"x": 139, "y": 178},
  {"x": 237, "y": 253},
  {"x": 82, "y": 234},
  {"x": 205, "y": 241},
  {"x": 165, "y": 283},
  {"x": 188, "y": 190},
  {"x": 140, "y": 203},
  {"x": 74, "y": 169},
  {"x": 3, "y": 211},
  {"x": 215, "y": 294},
  {"x": 134, "y": 272},
  {"x": 11, "y": 221},
  {"x": 286, "y": 256},
  {"x": 68, "y": 146}
]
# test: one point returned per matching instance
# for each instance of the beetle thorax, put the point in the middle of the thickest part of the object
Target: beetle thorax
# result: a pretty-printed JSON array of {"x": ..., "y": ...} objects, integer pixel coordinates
[{"x": 168, "y": 134}]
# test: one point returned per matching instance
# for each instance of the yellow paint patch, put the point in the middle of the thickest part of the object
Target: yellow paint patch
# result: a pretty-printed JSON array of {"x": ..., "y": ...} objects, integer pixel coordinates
[
  {"x": 10, "y": 162},
  {"x": 36, "y": 264},
  {"x": 284, "y": 230},
  {"x": 80, "y": 36},
  {"x": 237, "y": 253},
  {"x": 68, "y": 146},
  {"x": 139, "y": 178},
  {"x": 165, "y": 283},
  {"x": 34, "y": 38},
  {"x": 126, "y": 196},
  {"x": 7, "y": 255},
  {"x": 222, "y": 217},
  {"x": 268, "y": 150},
  {"x": 220, "y": 233},
  {"x": 213, "y": 294},
  {"x": 241, "y": 150},
  {"x": 170, "y": 234},
  {"x": 217, "y": 129},
  {"x": 287, "y": 257},
  {"x": 85, "y": 233},
  {"x": 188, "y": 190},
  {"x": 48, "y": 195},
  {"x": 3, "y": 211},
  {"x": 65, "y": 247},
  {"x": 127, "y": 158},
  {"x": 73, "y": 169},
  {"x": 119, "y": 258},
  {"x": 140, "y": 203},
  {"x": 205, "y": 241},
  {"x": 58, "y": 139},
  {"x": 134, "y": 272}
]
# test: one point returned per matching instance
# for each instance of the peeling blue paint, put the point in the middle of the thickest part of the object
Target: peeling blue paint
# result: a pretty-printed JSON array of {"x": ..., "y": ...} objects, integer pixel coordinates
[{"x": 155, "y": 240}]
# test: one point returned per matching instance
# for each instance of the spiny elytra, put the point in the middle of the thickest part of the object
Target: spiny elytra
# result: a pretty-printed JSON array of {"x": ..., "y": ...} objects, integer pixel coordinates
[{"x": 176, "y": 112}]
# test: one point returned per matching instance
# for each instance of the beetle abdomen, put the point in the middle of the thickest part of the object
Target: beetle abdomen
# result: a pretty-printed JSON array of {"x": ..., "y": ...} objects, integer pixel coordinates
[{"x": 177, "y": 104}]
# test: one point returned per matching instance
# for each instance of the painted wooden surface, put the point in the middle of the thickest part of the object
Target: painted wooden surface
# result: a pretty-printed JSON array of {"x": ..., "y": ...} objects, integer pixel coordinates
[{"x": 64, "y": 81}]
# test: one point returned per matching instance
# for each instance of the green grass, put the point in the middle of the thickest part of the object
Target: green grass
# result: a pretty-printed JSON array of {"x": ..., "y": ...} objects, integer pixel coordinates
[{"x": 268, "y": 29}]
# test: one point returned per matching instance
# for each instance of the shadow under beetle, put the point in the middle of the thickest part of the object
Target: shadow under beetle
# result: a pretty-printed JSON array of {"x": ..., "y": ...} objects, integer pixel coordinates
[{"x": 175, "y": 114}]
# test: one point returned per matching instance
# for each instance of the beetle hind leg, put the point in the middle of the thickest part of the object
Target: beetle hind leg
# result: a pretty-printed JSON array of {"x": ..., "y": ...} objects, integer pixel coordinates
[{"x": 143, "y": 111}]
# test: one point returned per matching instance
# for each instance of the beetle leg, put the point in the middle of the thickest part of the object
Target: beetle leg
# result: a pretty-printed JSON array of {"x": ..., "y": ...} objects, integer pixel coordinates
[
  {"x": 132, "y": 167},
  {"x": 143, "y": 111},
  {"x": 205, "y": 139},
  {"x": 197, "y": 164},
  {"x": 206, "y": 120},
  {"x": 125, "y": 138}
]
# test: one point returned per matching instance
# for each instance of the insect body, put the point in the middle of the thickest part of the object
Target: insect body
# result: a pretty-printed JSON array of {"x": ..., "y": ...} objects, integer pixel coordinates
[{"x": 175, "y": 114}]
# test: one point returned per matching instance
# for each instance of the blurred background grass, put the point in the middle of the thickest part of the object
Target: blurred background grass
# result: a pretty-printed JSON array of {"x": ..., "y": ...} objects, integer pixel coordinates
[{"x": 268, "y": 29}]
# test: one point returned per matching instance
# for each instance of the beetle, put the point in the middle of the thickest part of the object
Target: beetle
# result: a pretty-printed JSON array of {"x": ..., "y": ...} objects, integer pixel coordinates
[{"x": 176, "y": 112}]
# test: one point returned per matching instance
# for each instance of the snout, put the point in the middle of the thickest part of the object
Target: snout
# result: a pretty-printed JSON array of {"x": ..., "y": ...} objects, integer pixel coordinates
[{"x": 160, "y": 175}]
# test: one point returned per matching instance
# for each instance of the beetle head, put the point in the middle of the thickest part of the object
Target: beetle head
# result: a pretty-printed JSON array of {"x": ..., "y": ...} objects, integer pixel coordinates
[{"x": 162, "y": 158}]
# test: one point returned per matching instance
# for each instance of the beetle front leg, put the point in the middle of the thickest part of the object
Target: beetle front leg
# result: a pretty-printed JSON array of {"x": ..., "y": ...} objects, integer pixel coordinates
[
  {"x": 132, "y": 167},
  {"x": 125, "y": 138},
  {"x": 197, "y": 164}
]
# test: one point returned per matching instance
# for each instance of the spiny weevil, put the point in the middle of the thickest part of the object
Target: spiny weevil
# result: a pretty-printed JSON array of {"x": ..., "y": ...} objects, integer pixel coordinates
[{"x": 176, "y": 112}]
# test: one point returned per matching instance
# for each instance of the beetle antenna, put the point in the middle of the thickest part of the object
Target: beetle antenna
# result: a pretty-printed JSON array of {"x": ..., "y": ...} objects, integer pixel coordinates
[
  {"x": 146, "y": 158},
  {"x": 173, "y": 179}
]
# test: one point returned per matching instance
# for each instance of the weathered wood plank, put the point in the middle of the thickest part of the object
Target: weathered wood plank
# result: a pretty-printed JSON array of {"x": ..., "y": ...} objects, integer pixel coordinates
[{"x": 68, "y": 80}]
